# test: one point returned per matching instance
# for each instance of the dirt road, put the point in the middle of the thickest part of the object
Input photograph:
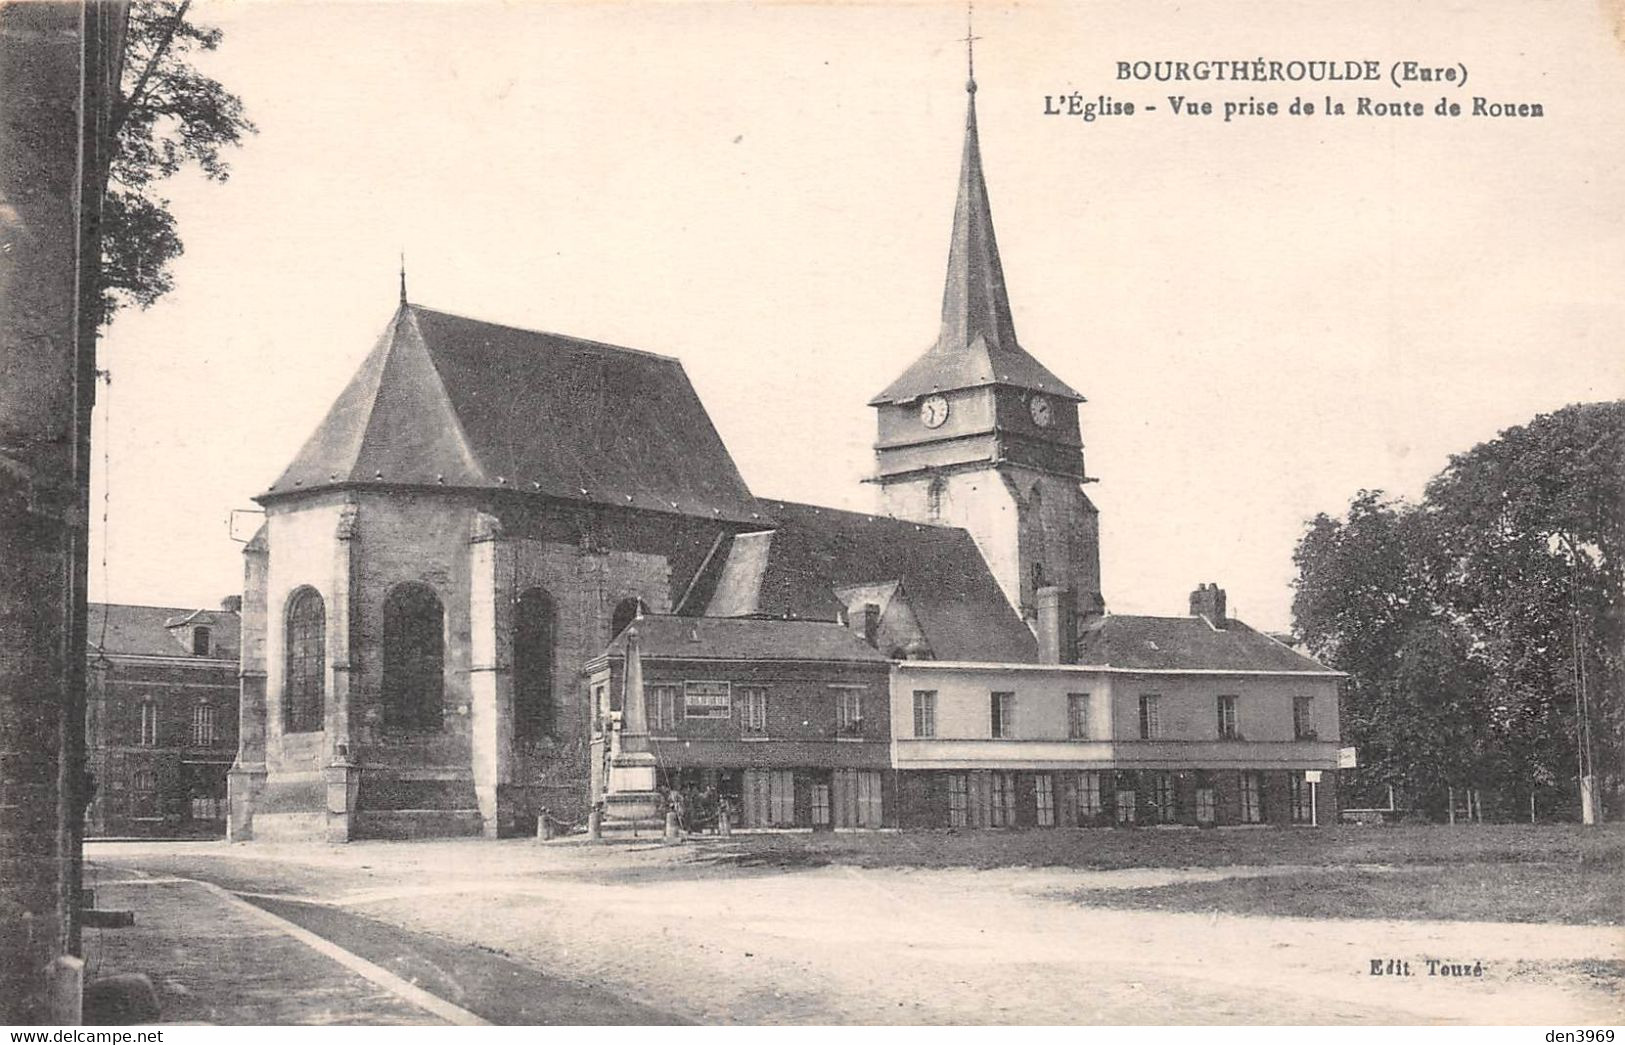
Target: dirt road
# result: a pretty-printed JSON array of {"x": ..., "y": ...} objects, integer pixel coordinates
[{"x": 716, "y": 944}]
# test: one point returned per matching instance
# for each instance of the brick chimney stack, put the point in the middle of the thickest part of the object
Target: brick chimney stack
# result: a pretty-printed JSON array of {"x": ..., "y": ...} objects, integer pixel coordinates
[{"x": 1208, "y": 601}]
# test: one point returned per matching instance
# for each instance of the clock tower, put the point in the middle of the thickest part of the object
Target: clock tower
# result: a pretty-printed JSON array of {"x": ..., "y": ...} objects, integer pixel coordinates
[{"x": 979, "y": 434}]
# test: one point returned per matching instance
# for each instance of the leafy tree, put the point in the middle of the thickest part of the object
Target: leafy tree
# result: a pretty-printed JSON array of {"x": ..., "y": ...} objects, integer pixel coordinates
[
  {"x": 1534, "y": 528},
  {"x": 1467, "y": 622},
  {"x": 168, "y": 115}
]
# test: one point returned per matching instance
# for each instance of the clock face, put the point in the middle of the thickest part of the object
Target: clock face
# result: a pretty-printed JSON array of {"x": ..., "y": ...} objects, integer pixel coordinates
[
  {"x": 933, "y": 411},
  {"x": 1041, "y": 411}
]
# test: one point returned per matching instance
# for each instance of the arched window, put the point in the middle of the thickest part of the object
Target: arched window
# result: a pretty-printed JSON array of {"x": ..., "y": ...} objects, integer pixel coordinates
[
  {"x": 414, "y": 657},
  {"x": 304, "y": 686},
  {"x": 533, "y": 641},
  {"x": 933, "y": 497},
  {"x": 626, "y": 611}
]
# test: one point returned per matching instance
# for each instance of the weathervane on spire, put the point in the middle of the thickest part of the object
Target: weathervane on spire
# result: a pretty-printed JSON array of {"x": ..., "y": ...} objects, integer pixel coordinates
[
  {"x": 970, "y": 45},
  {"x": 403, "y": 277}
]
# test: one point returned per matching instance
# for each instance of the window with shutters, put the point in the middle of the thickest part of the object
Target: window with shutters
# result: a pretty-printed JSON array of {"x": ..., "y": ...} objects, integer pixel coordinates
[
  {"x": 1044, "y": 796},
  {"x": 781, "y": 798},
  {"x": 1227, "y": 719},
  {"x": 870, "y": 809},
  {"x": 1077, "y": 716}
]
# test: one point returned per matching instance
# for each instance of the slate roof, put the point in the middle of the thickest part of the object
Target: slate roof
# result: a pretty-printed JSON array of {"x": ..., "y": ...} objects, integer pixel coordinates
[
  {"x": 144, "y": 631},
  {"x": 1186, "y": 643},
  {"x": 461, "y": 403},
  {"x": 745, "y": 638},
  {"x": 793, "y": 571},
  {"x": 977, "y": 342}
]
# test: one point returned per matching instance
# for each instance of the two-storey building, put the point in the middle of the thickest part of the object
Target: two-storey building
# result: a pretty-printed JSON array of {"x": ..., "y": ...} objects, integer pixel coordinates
[
  {"x": 1197, "y": 720},
  {"x": 785, "y": 721},
  {"x": 161, "y": 719}
]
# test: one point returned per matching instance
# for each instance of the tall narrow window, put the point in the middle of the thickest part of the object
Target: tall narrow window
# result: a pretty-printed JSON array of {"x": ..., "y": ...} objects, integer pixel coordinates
[
  {"x": 534, "y": 619},
  {"x": 203, "y": 724},
  {"x": 304, "y": 684},
  {"x": 414, "y": 657},
  {"x": 1162, "y": 797},
  {"x": 1252, "y": 798},
  {"x": 1088, "y": 794},
  {"x": 933, "y": 497},
  {"x": 200, "y": 642},
  {"x": 661, "y": 708},
  {"x": 1002, "y": 713},
  {"x": 149, "y": 722},
  {"x": 1044, "y": 798},
  {"x": 144, "y": 793},
  {"x": 1150, "y": 717},
  {"x": 1227, "y": 719},
  {"x": 1004, "y": 800},
  {"x": 925, "y": 712},
  {"x": 753, "y": 710},
  {"x": 1303, "y": 718},
  {"x": 1302, "y": 809},
  {"x": 1077, "y": 716},
  {"x": 958, "y": 800},
  {"x": 849, "y": 711}
]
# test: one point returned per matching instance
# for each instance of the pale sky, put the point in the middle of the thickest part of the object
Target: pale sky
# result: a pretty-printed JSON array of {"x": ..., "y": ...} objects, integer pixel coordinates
[{"x": 1266, "y": 316}]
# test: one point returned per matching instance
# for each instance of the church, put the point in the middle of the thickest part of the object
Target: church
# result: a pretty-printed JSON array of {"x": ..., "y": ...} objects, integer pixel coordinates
[{"x": 506, "y": 558}]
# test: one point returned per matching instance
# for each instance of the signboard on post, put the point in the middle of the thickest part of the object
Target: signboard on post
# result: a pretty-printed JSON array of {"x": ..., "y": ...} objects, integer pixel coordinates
[{"x": 1312, "y": 775}]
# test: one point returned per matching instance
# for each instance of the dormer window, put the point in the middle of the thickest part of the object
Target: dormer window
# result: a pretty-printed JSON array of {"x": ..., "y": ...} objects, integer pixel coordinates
[{"x": 200, "y": 641}]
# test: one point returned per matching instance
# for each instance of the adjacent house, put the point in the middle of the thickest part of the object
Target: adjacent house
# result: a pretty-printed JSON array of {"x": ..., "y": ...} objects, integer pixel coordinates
[{"x": 161, "y": 719}]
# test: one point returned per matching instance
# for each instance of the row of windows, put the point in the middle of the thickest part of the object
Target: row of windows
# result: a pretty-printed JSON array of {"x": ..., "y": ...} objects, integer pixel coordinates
[
  {"x": 205, "y": 724},
  {"x": 413, "y": 683},
  {"x": 665, "y": 703},
  {"x": 988, "y": 799},
  {"x": 1002, "y": 716}
]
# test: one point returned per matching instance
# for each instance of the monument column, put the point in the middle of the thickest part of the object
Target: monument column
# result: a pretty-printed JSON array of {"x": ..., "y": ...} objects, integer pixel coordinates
[{"x": 490, "y": 677}]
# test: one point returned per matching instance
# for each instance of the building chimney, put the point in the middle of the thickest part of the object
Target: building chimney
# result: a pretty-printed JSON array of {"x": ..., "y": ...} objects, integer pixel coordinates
[
  {"x": 1208, "y": 601},
  {"x": 232, "y": 604},
  {"x": 871, "y": 624},
  {"x": 1054, "y": 619}
]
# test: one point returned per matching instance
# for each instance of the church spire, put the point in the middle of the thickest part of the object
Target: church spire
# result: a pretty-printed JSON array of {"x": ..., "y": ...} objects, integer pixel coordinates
[
  {"x": 974, "y": 300},
  {"x": 403, "y": 277}
]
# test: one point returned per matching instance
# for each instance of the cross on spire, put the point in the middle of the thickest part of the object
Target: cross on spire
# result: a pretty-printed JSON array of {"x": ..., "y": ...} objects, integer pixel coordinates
[{"x": 970, "y": 45}]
